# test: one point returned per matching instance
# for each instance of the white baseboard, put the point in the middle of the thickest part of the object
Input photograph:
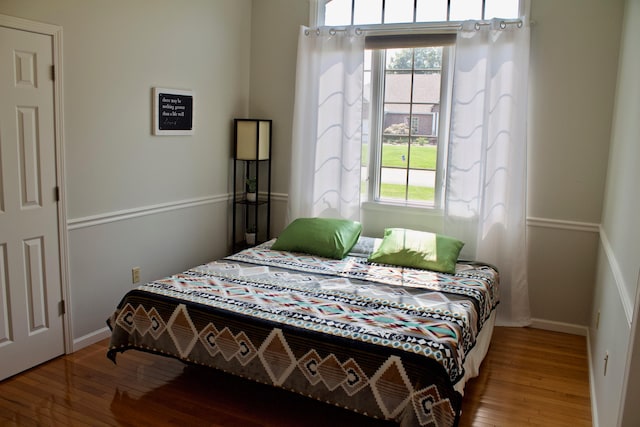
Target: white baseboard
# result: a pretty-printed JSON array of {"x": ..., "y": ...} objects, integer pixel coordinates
[
  {"x": 91, "y": 338},
  {"x": 567, "y": 328}
]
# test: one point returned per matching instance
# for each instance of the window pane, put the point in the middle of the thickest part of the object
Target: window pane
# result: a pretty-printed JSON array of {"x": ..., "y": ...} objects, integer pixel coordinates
[
  {"x": 501, "y": 9},
  {"x": 422, "y": 120},
  {"x": 393, "y": 184},
  {"x": 337, "y": 12},
  {"x": 427, "y": 77},
  {"x": 400, "y": 59},
  {"x": 426, "y": 88},
  {"x": 395, "y": 152},
  {"x": 398, "y": 76},
  {"x": 398, "y": 11},
  {"x": 393, "y": 172},
  {"x": 367, "y": 12},
  {"x": 421, "y": 185},
  {"x": 465, "y": 9},
  {"x": 431, "y": 10},
  {"x": 428, "y": 58},
  {"x": 423, "y": 155},
  {"x": 395, "y": 120},
  {"x": 397, "y": 88}
]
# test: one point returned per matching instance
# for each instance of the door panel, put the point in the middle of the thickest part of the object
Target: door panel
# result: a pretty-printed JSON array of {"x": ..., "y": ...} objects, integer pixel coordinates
[
  {"x": 5, "y": 314},
  {"x": 31, "y": 327},
  {"x": 27, "y": 118}
]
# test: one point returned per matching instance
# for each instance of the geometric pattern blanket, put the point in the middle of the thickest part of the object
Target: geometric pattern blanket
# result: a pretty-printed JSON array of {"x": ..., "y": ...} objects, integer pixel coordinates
[{"x": 388, "y": 342}]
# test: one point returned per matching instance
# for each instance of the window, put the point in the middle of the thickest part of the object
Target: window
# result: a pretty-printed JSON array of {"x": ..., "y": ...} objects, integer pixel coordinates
[
  {"x": 389, "y": 12},
  {"x": 405, "y": 86},
  {"x": 407, "y": 89}
]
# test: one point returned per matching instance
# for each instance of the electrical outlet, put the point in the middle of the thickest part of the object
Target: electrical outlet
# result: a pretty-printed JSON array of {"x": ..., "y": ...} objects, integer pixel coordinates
[{"x": 135, "y": 274}]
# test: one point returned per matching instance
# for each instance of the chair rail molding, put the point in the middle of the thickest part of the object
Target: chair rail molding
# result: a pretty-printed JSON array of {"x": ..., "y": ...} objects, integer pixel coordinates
[
  {"x": 109, "y": 217},
  {"x": 589, "y": 227}
]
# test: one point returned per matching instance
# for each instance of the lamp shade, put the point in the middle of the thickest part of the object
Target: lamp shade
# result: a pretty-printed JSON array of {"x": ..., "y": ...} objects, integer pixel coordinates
[{"x": 252, "y": 139}]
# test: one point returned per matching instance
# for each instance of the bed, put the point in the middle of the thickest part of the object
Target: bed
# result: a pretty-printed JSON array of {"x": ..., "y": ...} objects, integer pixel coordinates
[{"x": 387, "y": 341}]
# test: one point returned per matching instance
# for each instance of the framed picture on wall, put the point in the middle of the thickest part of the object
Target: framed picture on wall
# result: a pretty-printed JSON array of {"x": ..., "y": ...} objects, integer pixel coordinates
[{"x": 172, "y": 111}]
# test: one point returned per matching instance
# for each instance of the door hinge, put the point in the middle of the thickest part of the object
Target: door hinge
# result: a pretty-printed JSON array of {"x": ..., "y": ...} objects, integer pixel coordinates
[
  {"x": 62, "y": 308},
  {"x": 53, "y": 72},
  {"x": 56, "y": 193}
]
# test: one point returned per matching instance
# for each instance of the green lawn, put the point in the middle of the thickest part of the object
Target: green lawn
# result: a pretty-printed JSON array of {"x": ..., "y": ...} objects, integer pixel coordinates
[
  {"x": 396, "y": 191},
  {"x": 422, "y": 156}
]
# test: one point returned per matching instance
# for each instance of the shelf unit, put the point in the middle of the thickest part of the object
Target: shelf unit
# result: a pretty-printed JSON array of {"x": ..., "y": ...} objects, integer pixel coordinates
[{"x": 252, "y": 161}]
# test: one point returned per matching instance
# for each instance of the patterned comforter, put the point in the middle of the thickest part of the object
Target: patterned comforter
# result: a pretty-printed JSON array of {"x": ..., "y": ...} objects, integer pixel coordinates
[{"x": 385, "y": 341}]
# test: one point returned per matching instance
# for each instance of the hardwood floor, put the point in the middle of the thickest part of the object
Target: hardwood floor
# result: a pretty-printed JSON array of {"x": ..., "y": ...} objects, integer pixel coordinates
[{"x": 530, "y": 377}]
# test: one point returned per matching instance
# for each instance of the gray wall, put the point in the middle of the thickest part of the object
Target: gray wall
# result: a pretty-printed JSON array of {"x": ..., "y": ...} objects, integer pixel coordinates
[
  {"x": 274, "y": 43},
  {"x": 617, "y": 335},
  {"x": 572, "y": 86}
]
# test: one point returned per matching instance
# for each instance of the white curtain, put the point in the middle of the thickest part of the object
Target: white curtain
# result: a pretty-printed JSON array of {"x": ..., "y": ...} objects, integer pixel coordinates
[
  {"x": 485, "y": 202},
  {"x": 326, "y": 139}
]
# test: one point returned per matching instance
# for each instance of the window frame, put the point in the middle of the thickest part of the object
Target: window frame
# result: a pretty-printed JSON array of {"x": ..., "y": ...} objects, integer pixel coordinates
[{"x": 376, "y": 120}]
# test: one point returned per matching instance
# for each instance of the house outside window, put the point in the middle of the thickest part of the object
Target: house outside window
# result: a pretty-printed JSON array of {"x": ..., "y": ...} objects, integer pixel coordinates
[
  {"x": 407, "y": 75},
  {"x": 412, "y": 122}
]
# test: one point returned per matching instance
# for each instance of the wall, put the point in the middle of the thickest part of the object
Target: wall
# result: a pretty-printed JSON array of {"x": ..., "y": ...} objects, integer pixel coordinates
[
  {"x": 568, "y": 134},
  {"x": 274, "y": 44},
  {"x": 133, "y": 199},
  {"x": 571, "y": 102},
  {"x": 617, "y": 394}
]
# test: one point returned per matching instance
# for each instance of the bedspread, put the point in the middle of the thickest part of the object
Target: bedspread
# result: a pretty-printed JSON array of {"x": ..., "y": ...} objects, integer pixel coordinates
[{"x": 385, "y": 341}]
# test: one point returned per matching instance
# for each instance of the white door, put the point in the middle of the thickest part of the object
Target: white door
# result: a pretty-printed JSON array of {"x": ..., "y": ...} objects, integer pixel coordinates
[{"x": 31, "y": 324}]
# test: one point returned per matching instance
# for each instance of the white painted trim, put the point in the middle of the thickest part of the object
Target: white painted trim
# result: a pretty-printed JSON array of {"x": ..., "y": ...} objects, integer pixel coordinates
[
  {"x": 109, "y": 217},
  {"x": 407, "y": 209},
  {"x": 63, "y": 231},
  {"x": 91, "y": 338},
  {"x": 316, "y": 9},
  {"x": 627, "y": 304},
  {"x": 31, "y": 26},
  {"x": 562, "y": 224},
  {"x": 567, "y": 328},
  {"x": 592, "y": 383},
  {"x": 279, "y": 197},
  {"x": 630, "y": 348}
]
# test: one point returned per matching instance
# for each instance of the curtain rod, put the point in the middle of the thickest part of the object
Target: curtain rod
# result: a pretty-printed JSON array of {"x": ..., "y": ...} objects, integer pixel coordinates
[{"x": 443, "y": 26}]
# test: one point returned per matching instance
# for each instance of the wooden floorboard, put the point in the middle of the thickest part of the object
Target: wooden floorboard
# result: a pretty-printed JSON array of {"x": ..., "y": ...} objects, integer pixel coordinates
[{"x": 529, "y": 378}]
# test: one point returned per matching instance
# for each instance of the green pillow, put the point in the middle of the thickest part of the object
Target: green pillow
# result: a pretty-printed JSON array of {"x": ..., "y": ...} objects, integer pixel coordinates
[
  {"x": 327, "y": 237},
  {"x": 418, "y": 249}
]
